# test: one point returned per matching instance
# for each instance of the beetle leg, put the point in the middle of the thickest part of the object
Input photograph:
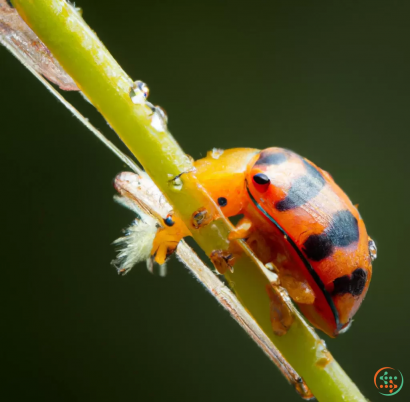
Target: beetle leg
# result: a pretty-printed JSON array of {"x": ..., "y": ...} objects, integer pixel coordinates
[
  {"x": 281, "y": 316},
  {"x": 298, "y": 289},
  {"x": 162, "y": 251},
  {"x": 167, "y": 239},
  {"x": 225, "y": 259},
  {"x": 242, "y": 230},
  {"x": 222, "y": 260}
]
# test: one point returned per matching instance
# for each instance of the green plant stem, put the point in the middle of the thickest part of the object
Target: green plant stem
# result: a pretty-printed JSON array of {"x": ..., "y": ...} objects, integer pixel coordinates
[{"x": 107, "y": 86}]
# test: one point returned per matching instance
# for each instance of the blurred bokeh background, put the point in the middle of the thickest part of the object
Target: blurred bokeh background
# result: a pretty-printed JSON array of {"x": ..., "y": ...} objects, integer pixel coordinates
[{"x": 329, "y": 80}]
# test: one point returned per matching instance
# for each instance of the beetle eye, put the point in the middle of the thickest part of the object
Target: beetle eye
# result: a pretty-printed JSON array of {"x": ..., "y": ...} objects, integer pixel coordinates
[
  {"x": 168, "y": 221},
  {"x": 261, "y": 179},
  {"x": 222, "y": 202}
]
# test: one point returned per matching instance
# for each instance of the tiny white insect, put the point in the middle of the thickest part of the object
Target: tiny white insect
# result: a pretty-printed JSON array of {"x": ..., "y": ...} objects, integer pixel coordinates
[{"x": 139, "y": 194}]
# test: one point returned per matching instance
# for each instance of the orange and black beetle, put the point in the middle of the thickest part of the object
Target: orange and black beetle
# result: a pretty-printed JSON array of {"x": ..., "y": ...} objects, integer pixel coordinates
[
  {"x": 299, "y": 219},
  {"x": 296, "y": 219}
]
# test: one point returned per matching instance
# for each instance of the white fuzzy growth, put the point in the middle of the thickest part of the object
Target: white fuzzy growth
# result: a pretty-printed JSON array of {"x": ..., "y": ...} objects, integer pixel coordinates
[{"x": 137, "y": 243}]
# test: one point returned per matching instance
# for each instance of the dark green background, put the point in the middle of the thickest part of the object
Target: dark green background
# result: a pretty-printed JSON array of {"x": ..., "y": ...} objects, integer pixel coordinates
[{"x": 328, "y": 79}]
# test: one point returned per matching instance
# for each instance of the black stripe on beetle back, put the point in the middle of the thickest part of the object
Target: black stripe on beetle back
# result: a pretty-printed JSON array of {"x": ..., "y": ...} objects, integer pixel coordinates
[
  {"x": 342, "y": 231},
  {"x": 9, "y": 3},
  {"x": 306, "y": 263},
  {"x": 353, "y": 284},
  {"x": 303, "y": 189},
  {"x": 318, "y": 246},
  {"x": 271, "y": 158}
]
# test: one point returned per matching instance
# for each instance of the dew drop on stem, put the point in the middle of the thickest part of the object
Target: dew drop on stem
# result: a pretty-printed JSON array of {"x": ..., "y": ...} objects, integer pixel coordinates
[
  {"x": 175, "y": 184},
  {"x": 159, "y": 119},
  {"x": 139, "y": 92}
]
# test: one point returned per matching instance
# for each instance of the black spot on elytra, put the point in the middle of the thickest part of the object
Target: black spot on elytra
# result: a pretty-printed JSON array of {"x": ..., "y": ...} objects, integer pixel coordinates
[
  {"x": 222, "y": 202},
  {"x": 9, "y": 3},
  {"x": 318, "y": 246},
  {"x": 353, "y": 284},
  {"x": 270, "y": 157},
  {"x": 303, "y": 189},
  {"x": 342, "y": 231}
]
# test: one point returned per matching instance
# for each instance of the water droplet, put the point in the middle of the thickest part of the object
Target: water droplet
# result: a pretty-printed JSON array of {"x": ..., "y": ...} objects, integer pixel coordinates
[
  {"x": 159, "y": 119},
  {"x": 176, "y": 184},
  {"x": 139, "y": 92},
  {"x": 272, "y": 268},
  {"x": 216, "y": 153},
  {"x": 372, "y": 250},
  {"x": 190, "y": 159}
]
